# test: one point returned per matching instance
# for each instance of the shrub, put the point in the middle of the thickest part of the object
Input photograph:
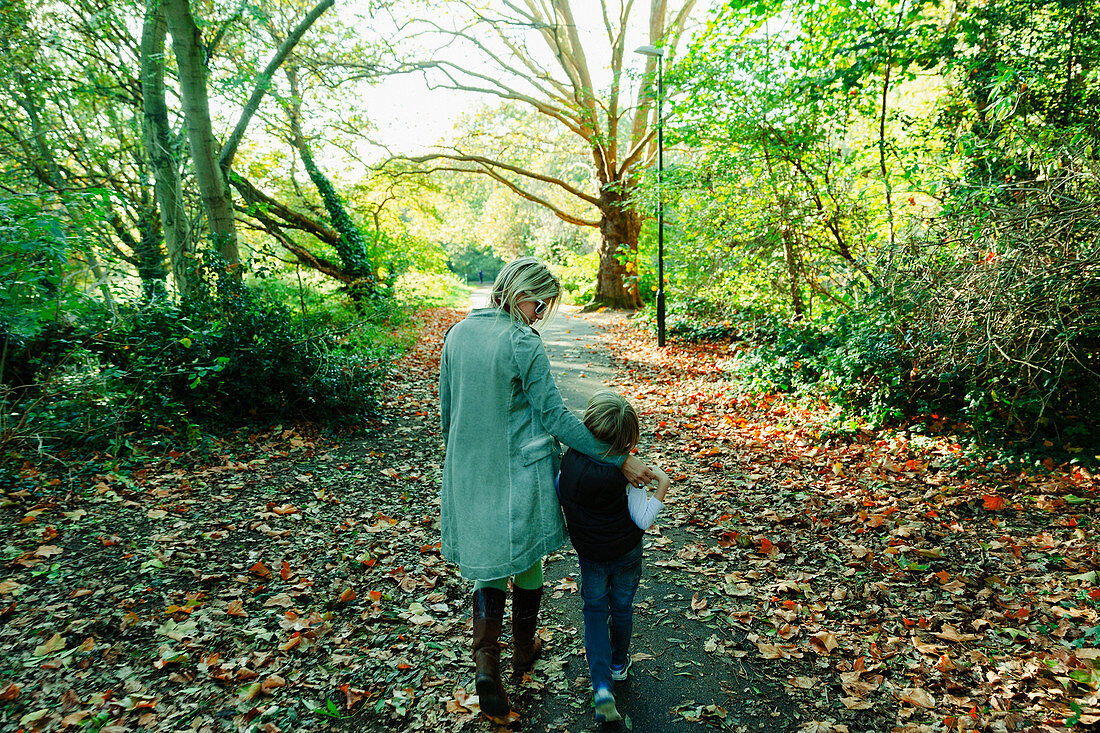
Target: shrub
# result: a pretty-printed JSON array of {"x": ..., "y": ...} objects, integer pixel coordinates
[
  {"x": 231, "y": 354},
  {"x": 431, "y": 289}
]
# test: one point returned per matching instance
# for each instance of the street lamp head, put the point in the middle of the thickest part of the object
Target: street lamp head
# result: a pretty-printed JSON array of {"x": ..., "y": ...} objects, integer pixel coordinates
[{"x": 650, "y": 51}]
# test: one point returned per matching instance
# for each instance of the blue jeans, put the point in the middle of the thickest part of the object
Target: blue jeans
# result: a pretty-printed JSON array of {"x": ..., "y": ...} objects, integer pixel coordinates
[{"x": 607, "y": 590}]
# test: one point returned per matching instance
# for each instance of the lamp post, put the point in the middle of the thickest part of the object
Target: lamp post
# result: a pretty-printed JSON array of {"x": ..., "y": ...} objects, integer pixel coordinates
[{"x": 659, "y": 53}]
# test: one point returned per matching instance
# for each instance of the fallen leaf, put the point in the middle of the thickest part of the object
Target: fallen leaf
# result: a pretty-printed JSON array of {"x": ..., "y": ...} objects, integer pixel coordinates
[
  {"x": 950, "y": 633},
  {"x": 917, "y": 696},
  {"x": 283, "y": 600},
  {"x": 273, "y": 682},
  {"x": 824, "y": 642},
  {"x": 53, "y": 644},
  {"x": 353, "y": 695}
]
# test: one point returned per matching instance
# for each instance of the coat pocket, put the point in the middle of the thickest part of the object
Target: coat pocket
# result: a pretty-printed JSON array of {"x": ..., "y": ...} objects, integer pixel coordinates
[{"x": 541, "y": 447}]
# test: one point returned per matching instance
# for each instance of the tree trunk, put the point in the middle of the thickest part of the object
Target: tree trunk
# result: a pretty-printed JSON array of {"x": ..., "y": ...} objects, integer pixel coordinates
[
  {"x": 616, "y": 284},
  {"x": 159, "y": 147},
  {"x": 188, "y": 48},
  {"x": 793, "y": 275}
]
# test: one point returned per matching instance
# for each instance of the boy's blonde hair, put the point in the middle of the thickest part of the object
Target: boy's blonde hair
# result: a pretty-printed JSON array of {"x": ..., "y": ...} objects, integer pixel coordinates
[
  {"x": 525, "y": 278},
  {"x": 613, "y": 420}
]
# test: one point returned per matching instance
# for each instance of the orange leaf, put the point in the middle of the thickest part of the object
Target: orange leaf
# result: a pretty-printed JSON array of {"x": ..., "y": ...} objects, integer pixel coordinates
[
  {"x": 353, "y": 694},
  {"x": 10, "y": 692},
  {"x": 375, "y": 595},
  {"x": 766, "y": 545},
  {"x": 285, "y": 572},
  {"x": 993, "y": 503},
  {"x": 260, "y": 569},
  {"x": 236, "y": 608},
  {"x": 348, "y": 595}
]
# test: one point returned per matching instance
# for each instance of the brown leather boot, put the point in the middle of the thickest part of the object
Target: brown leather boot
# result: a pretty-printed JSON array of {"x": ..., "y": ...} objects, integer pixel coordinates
[
  {"x": 526, "y": 644},
  {"x": 488, "y": 606}
]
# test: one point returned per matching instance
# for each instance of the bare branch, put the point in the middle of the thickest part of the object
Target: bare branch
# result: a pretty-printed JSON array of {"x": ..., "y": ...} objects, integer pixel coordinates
[
  {"x": 481, "y": 160},
  {"x": 272, "y": 228}
]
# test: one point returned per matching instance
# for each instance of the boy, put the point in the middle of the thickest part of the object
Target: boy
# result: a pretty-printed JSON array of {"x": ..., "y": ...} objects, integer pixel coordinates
[{"x": 606, "y": 523}]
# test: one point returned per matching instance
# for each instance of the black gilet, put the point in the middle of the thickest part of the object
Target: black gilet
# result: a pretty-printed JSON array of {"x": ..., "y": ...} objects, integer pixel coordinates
[{"x": 593, "y": 496}]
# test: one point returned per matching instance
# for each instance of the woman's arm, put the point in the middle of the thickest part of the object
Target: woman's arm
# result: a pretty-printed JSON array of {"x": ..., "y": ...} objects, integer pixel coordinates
[
  {"x": 444, "y": 394},
  {"x": 637, "y": 472}
]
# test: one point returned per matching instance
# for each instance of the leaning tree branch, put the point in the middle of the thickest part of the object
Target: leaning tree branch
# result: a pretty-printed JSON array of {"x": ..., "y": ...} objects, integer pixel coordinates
[
  {"x": 535, "y": 74},
  {"x": 563, "y": 215},
  {"x": 263, "y": 84},
  {"x": 271, "y": 227},
  {"x": 559, "y": 113},
  {"x": 259, "y": 201},
  {"x": 635, "y": 153}
]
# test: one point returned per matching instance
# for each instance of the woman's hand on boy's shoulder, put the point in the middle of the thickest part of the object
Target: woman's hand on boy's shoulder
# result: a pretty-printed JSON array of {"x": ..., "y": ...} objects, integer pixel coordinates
[{"x": 637, "y": 472}]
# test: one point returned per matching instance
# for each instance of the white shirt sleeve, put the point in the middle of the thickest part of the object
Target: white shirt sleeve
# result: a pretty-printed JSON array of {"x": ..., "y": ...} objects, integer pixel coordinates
[{"x": 643, "y": 507}]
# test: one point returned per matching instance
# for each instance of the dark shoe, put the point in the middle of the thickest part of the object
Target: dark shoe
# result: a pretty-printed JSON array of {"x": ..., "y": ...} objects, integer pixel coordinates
[
  {"x": 488, "y": 605},
  {"x": 526, "y": 645}
]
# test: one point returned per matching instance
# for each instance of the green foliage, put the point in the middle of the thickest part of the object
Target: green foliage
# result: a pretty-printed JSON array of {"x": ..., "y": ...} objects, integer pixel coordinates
[
  {"x": 418, "y": 289},
  {"x": 80, "y": 371},
  {"x": 577, "y": 273},
  {"x": 468, "y": 259},
  {"x": 894, "y": 206},
  {"x": 399, "y": 251}
]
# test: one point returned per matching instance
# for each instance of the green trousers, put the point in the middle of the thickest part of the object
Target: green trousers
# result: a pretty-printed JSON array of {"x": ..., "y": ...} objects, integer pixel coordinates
[{"x": 529, "y": 579}]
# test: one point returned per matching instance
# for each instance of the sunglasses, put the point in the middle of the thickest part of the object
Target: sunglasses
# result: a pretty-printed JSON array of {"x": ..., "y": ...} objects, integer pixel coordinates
[{"x": 540, "y": 306}]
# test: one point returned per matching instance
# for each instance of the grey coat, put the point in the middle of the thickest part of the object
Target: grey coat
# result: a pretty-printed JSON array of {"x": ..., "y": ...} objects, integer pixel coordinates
[{"x": 502, "y": 418}]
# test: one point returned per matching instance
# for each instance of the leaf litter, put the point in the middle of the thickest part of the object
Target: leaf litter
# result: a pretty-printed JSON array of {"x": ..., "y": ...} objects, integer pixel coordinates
[{"x": 295, "y": 584}]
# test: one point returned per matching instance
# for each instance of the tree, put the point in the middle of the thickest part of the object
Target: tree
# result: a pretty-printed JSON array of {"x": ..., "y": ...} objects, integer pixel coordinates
[
  {"x": 162, "y": 150},
  {"x": 778, "y": 202},
  {"x": 70, "y": 123},
  {"x": 533, "y": 53},
  {"x": 190, "y": 56}
]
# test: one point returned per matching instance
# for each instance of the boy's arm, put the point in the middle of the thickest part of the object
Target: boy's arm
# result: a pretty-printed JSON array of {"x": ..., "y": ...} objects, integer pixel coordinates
[
  {"x": 663, "y": 482},
  {"x": 643, "y": 507}
]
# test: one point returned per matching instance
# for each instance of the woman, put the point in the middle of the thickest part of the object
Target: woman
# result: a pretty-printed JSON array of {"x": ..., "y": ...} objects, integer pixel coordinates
[{"x": 502, "y": 418}]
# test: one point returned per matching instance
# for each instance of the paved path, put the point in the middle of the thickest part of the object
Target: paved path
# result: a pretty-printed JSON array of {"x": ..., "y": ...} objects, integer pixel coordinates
[{"x": 673, "y": 679}]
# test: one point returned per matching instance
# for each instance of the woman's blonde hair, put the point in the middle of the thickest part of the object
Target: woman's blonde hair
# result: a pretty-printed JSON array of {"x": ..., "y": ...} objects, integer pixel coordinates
[
  {"x": 613, "y": 420},
  {"x": 524, "y": 278}
]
